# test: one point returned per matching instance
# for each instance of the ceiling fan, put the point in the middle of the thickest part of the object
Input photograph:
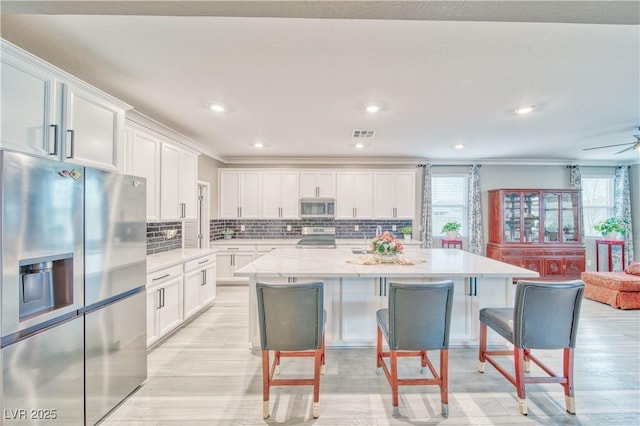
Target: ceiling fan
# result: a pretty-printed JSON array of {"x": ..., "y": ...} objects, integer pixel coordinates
[{"x": 634, "y": 145}]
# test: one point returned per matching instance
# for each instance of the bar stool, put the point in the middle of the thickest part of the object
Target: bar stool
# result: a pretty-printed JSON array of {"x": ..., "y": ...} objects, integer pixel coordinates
[
  {"x": 292, "y": 319},
  {"x": 545, "y": 316},
  {"x": 418, "y": 320}
]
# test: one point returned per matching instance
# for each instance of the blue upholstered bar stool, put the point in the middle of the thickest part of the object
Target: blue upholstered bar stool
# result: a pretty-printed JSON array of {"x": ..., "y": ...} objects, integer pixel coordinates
[
  {"x": 291, "y": 318},
  {"x": 418, "y": 320},
  {"x": 545, "y": 316}
]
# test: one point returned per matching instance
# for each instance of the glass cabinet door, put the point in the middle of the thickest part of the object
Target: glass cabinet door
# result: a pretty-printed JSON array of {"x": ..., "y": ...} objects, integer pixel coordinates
[
  {"x": 531, "y": 217},
  {"x": 512, "y": 214},
  {"x": 569, "y": 218},
  {"x": 551, "y": 217}
]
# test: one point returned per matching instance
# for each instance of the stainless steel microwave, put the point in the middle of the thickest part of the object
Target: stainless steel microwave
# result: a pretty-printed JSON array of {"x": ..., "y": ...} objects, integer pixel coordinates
[{"x": 317, "y": 207}]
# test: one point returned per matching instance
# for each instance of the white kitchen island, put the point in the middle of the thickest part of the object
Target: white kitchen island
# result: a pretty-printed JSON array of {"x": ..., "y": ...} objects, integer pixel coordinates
[{"x": 353, "y": 292}]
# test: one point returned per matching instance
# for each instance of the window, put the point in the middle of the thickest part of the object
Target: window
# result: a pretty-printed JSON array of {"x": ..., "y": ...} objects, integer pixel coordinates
[
  {"x": 597, "y": 202},
  {"x": 449, "y": 201}
]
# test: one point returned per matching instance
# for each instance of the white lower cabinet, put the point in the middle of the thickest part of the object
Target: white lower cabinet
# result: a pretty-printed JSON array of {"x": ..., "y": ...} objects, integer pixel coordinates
[
  {"x": 360, "y": 299},
  {"x": 199, "y": 284},
  {"x": 164, "y": 302},
  {"x": 177, "y": 293},
  {"x": 231, "y": 258}
]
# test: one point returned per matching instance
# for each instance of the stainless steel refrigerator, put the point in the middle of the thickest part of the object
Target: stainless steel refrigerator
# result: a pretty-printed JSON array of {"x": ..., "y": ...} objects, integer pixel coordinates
[
  {"x": 72, "y": 292},
  {"x": 115, "y": 301}
]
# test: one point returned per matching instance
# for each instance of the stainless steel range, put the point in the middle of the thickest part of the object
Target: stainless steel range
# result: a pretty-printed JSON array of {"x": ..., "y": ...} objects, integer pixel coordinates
[{"x": 317, "y": 237}]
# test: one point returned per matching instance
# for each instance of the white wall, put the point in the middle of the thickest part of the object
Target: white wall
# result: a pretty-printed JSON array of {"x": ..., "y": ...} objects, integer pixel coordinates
[{"x": 208, "y": 172}]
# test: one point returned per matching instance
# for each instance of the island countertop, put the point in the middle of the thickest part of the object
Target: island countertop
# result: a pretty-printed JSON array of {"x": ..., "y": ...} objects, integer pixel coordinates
[{"x": 445, "y": 263}]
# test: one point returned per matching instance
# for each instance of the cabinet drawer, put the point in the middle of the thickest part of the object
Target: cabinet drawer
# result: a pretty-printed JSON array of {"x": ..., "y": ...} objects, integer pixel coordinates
[
  {"x": 537, "y": 252},
  {"x": 200, "y": 263},
  {"x": 574, "y": 252},
  {"x": 553, "y": 252},
  {"x": 236, "y": 249},
  {"x": 512, "y": 252},
  {"x": 163, "y": 275},
  {"x": 515, "y": 261}
]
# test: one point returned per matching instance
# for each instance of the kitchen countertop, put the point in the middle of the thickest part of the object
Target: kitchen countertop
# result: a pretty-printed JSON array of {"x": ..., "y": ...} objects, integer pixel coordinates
[
  {"x": 444, "y": 263},
  {"x": 169, "y": 258},
  {"x": 293, "y": 241}
]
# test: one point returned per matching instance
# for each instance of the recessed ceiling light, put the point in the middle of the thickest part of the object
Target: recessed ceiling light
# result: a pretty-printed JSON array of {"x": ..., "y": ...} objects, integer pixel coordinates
[
  {"x": 217, "y": 108},
  {"x": 258, "y": 145},
  {"x": 458, "y": 146},
  {"x": 359, "y": 145},
  {"x": 372, "y": 108},
  {"x": 525, "y": 109}
]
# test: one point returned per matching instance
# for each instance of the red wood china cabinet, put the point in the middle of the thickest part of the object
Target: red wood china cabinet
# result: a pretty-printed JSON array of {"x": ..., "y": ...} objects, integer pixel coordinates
[{"x": 537, "y": 229}]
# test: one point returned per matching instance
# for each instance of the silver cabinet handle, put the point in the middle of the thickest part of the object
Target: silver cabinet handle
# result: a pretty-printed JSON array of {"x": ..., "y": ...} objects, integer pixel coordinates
[
  {"x": 233, "y": 260},
  {"x": 55, "y": 139},
  {"x": 159, "y": 293},
  {"x": 159, "y": 278},
  {"x": 203, "y": 261},
  {"x": 183, "y": 210},
  {"x": 204, "y": 277},
  {"x": 240, "y": 212},
  {"x": 232, "y": 248},
  {"x": 72, "y": 143}
]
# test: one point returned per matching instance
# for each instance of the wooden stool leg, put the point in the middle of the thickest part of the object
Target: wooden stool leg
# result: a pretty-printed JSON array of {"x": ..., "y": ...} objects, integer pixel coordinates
[
  {"x": 379, "y": 353},
  {"x": 317, "y": 366},
  {"x": 394, "y": 377},
  {"x": 568, "y": 387},
  {"x": 277, "y": 362},
  {"x": 518, "y": 355},
  {"x": 482, "y": 347},
  {"x": 444, "y": 381},
  {"x": 323, "y": 370},
  {"x": 265, "y": 384},
  {"x": 423, "y": 362}
]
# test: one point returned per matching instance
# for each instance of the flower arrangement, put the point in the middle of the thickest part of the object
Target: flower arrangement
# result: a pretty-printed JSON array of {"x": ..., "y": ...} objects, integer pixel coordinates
[{"x": 386, "y": 244}]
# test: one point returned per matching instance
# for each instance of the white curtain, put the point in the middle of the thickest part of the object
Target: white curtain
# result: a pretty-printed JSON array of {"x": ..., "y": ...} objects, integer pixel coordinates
[
  {"x": 476, "y": 235},
  {"x": 622, "y": 209},
  {"x": 426, "y": 226}
]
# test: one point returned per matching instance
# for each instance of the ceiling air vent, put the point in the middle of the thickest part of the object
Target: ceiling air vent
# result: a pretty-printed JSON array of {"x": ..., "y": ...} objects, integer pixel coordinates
[{"x": 363, "y": 134}]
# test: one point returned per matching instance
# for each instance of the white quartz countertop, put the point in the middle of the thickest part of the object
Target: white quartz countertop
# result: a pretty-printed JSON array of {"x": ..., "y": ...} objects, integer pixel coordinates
[
  {"x": 293, "y": 241},
  {"x": 444, "y": 263},
  {"x": 169, "y": 258}
]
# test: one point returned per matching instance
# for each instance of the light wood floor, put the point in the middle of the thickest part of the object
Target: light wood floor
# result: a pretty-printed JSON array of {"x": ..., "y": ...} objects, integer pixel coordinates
[{"x": 205, "y": 375}]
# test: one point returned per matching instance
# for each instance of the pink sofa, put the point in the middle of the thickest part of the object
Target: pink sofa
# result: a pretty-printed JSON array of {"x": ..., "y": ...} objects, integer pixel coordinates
[{"x": 618, "y": 289}]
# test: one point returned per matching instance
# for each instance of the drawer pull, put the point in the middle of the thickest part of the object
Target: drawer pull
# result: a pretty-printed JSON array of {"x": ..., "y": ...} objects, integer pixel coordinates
[
  {"x": 159, "y": 278},
  {"x": 203, "y": 261}
]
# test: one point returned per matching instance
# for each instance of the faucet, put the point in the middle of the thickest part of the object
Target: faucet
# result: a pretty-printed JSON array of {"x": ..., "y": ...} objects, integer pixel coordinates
[{"x": 378, "y": 230}]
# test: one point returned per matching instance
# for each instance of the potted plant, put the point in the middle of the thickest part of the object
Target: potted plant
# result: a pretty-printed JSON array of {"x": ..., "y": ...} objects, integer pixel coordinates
[
  {"x": 451, "y": 229},
  {"x": 227, "y": 233},
  {"x": 406, "y": 232},
  {"x": 613, "y": 227}
]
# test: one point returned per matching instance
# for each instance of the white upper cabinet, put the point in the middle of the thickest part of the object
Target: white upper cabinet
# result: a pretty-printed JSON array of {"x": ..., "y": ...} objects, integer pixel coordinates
[
  {"x": 394, "y": 195},
  {"x": 50, "y": 113},
  {"x": 239, "y": 195},
  {"x": 189, "y": 184},
  {"x": 93, "y": 130},
  {"x": 280, "y": 194},
  {"x": 178, "y": 183},
  {"x": 354, "y": 195},
  {"x": 318, "y": 184},
  {"x": 142, "y": 158},
  {"x": 30, "y": 104}
]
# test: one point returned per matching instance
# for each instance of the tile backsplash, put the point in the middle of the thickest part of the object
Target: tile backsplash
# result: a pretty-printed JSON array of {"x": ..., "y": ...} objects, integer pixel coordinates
[
  {"x": 277, "y": 228},
  {"x": 163, "y": 236}
]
